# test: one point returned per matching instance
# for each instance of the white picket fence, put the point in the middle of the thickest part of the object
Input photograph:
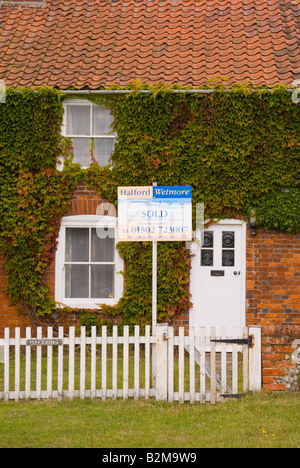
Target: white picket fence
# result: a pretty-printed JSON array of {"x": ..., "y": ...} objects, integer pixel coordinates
[{"x": 166, "y": 367}]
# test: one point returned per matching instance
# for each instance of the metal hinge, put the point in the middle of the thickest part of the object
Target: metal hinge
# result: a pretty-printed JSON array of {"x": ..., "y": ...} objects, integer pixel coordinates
[{"x": 241, "y": 341}]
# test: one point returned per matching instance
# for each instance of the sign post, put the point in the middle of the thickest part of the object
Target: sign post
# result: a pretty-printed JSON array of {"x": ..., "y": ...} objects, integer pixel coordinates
[
  {"x": 154, "y": 304},
  {"x": 154, "y": 282},
  {"x": 154, "y": 213},
  {"x": 154, "y": 285}
]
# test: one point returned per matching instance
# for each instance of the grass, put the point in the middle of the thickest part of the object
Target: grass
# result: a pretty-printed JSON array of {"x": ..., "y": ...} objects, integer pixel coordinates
[{"x": 255, "y": 421}]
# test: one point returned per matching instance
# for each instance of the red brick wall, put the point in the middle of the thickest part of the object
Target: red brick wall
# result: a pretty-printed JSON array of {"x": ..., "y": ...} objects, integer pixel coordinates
[
  {"x": 273, "y": 278},
  {"x": 279, "y": 371},
  {"x": 9, "y": 315},
  {"x": 84, "y": 201},
  {"x": 273, "y": 301},
  {"x": 181, "y": 321}
]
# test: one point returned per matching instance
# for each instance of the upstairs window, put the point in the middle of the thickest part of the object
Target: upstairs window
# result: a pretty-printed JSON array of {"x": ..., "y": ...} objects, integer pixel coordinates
[{"x": 90, "y": 128}]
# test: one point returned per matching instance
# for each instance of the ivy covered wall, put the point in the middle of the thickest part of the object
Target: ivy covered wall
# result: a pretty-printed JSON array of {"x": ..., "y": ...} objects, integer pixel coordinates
[
  {"x": 239, "y": 150},
  {"x": 34, "y": 195},
  {"x": 233, "y": 148}
]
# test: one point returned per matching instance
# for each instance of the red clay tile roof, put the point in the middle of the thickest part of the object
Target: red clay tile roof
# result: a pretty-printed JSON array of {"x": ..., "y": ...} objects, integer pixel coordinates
[{"x": 95, "y": 43}]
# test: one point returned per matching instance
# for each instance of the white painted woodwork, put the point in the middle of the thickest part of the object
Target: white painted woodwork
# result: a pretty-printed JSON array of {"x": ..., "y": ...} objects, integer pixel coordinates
[
  {"x": 219, "y": 301},
  {"x": 188, "y": 368}
]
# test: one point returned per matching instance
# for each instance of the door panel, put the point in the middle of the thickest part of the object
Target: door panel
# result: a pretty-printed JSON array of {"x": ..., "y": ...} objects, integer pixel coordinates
[{"x": 218, "y": 277}]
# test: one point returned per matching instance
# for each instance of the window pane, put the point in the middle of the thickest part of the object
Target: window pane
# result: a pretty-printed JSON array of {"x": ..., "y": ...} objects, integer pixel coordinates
[
  {"x": 77, "y": 245},
  {"x": 207, "y": 257},
  {"x": 103, "y": 149},
  {"x": 228, "y": 258},
  {"x": 208, "y": 239},
  {"x": 102, "y": 278},
  {"x": 102, "y": 120},
  {"x": 77, "y": 281},
  {"x": 78, "y": 120},
  {"x": 82, "y": 151},
  {"x": 103, "y": 245},
  {"x": 228, "y": 240}
]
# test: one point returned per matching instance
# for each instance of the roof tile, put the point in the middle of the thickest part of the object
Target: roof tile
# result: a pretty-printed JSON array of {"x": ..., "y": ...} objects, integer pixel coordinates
[{"x": 93, "y": 43}]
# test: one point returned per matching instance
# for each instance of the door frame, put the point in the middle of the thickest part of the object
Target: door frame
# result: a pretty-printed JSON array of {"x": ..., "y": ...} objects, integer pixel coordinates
[{"x": 243, "y": 225}]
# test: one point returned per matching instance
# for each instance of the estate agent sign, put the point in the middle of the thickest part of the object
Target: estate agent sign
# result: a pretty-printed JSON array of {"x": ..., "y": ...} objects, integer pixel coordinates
[{"x": 155, "y": 213}]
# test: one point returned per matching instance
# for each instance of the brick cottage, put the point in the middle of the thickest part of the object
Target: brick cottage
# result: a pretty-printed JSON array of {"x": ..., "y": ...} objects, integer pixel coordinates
[{"x": 81, "y": 47}]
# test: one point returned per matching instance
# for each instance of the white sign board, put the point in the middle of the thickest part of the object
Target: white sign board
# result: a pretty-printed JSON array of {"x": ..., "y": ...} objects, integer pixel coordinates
[{"x": 155, "y": 213}]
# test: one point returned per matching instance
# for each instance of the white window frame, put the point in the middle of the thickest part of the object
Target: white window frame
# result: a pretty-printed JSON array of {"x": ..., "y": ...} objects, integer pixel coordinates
[
  {"x": 80, "y": 102},
  {"x": 85, "y": 221}
]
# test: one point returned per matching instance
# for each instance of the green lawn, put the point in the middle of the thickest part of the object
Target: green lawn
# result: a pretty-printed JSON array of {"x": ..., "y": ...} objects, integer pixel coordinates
[{"x": 264, "y": 420}]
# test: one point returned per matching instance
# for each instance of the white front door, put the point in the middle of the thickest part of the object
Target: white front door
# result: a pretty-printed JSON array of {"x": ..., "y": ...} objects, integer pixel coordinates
[{"x": 217, "y": 279}]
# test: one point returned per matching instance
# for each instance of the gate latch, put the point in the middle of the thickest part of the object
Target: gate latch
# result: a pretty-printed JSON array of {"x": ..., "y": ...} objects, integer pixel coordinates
[
  {"x": 241, "y": 341},
  {"x": 165, "y": 337}
]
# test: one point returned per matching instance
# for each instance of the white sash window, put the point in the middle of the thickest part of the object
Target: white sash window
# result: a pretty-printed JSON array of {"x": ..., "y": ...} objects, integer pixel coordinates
[
  {"x": 87, "y": 262},
  {"x": 89, "y": 127}
]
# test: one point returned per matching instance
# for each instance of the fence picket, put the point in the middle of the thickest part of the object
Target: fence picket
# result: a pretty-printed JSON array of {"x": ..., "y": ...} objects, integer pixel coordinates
[
  {"x": 82, "y": 361},
  {"x": 17, "y": 363},
  {"x": 147, "y": 362},
  {"x": 203, "y": 352},
  {"x": 125, "y": 361},
  {"x": 60, "y": 356},
  {"x": 136, "y": 361},
  {"x": 39, "y": 365},
  {"x": 224, "y": 363},
  {"x": 6, "y": 364},
  {"x": 93, "y": 361},
  {"x": 235, "y": 364},
  {"x": 181, "y": 365},
  {"x": 202, "y": 366},
  {"x": 115, "y": 362},
  {"x": 103, "y": 361},
  {"x": 171, "y": 365},
  {"x": 245, "y": 362},
  {"x": 255, "y": 359},
  {"x": 213, "y": 374},
  {"x": 49, "y": 364},
  {"x": 192, "y": 366},
  {"x": 28, "y": 365},
  {"x": 71, "y": 362}
]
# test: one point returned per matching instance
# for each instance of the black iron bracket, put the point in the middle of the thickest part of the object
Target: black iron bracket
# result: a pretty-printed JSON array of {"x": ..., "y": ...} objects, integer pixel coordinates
[{"x": 240, "y": 341}]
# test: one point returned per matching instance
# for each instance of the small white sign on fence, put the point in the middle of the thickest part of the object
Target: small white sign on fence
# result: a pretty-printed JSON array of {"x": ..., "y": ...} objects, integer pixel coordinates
[{"x": 44, "y": 342}]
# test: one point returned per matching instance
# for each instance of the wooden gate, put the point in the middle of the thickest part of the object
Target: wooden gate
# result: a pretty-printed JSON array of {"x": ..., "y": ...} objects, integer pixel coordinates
[
  {"x": 211, "y": 368},
  {"x": 82, "y": 364}
]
